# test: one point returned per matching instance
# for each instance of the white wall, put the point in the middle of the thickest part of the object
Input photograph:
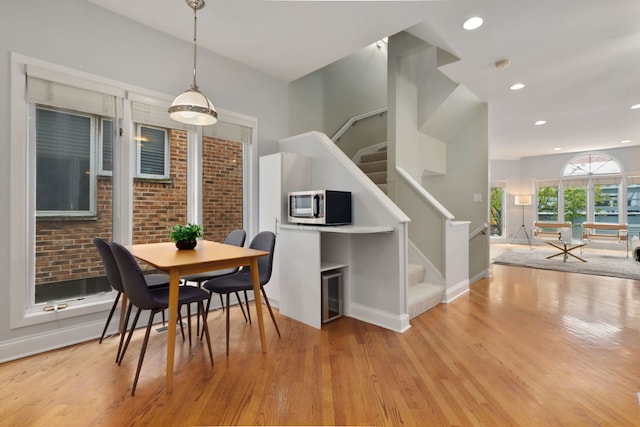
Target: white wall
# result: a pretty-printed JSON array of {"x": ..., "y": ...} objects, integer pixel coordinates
[
  {"x": 82, "y": 36},
  {"x": 326, "y": 99},
  {"x": 520, "y": 176},
  {"x": 427, "y": 110}
]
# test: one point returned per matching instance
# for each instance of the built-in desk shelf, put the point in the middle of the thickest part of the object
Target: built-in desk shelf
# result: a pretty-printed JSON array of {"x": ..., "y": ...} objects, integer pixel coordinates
[
  {"x": 348, "y": 229},
  {"x": 331, "y": 265}
]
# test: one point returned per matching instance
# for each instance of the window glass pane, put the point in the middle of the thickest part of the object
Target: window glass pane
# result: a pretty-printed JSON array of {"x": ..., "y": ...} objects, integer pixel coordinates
[
  {"x": 575, "y": 208},
  {"x": 222, "y": 187},
  {"x": 63, "y": 161},
  {"x": 152, "y": 144},
  {"x": 606, "y": 206},
  {"x": 497, "y": 203},
  {"x": 547, "y": 203},
  {"x": 67, "y": 265},
  {"x": 592, "y": 164},
  {"x": 107, "y": 145},
  {"x": 633, "y": 209},
  {"x": 160, "y": 205}
]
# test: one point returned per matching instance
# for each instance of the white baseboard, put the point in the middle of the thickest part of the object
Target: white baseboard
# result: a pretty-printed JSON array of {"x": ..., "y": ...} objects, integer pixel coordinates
[
  {"x": 455, "y": 291},
  {"x": 383, "y": 319},
  {"x": 39, "y": 343},
  {"x": 482, "y": 275}
]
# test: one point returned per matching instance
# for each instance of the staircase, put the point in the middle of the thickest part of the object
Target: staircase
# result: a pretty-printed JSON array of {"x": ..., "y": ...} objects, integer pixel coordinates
[
  {"x": 375, "y": 166},
  {"x": 421, "y": 296}
]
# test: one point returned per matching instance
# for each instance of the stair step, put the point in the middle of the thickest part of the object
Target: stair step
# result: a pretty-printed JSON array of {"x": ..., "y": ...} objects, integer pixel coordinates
[
  {"x": 374, "y": 157},
  {"x": 416, "y": 273},
  {"x": 378, "y": 177},
  {"x": 423, "y": 297},
  {"x": 383, "y": 187},
  {"x": 378, "y": 166}
]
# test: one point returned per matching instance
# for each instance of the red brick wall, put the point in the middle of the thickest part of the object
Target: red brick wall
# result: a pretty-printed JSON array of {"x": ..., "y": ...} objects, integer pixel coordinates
[
  {"x": 158, "y": 205},
  {"x": 222, "y": 188},
  {"x": 64, "y": 248}
]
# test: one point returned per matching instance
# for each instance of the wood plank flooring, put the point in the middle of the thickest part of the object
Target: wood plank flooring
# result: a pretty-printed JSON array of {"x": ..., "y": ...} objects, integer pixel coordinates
[{"x": 525, "y": 347}]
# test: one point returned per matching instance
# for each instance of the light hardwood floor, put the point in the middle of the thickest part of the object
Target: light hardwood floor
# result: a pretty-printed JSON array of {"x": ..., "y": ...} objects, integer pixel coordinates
[{"x": 525, "y": 347}]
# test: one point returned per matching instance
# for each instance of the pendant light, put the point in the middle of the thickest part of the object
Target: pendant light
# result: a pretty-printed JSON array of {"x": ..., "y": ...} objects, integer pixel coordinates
[{"x": 192, "y": 106}]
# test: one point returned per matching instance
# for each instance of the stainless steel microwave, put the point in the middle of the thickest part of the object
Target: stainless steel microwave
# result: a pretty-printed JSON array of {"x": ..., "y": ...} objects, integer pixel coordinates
[{"x": 320, "y": 207}]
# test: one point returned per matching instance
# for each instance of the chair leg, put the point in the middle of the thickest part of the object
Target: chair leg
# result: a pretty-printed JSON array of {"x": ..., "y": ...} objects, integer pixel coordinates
[
  {"x": 266, "y": 300},
  {"x": 126, "y": 344},
  {"x": 198, "y": 316},
  {"x": 242, "y": 307},
  {"x": 106, "y": 325},
  {"x": 221, "y": 302},
  {"x": 246, "y": 301},
  {"x": 189, "y": 322},
  {"x": 143, "y": 350},
  {"x": 227, "y": 324},
  {"x": 124, "y": 332},
  {"x": 205, "y": 315},
  {"x": 205, "y": 330},
  {"x": 180, "y": 322}
]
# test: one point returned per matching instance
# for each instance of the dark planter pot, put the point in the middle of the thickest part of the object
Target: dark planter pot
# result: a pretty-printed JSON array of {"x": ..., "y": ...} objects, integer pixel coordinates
[{"x": 182, "y": 245}]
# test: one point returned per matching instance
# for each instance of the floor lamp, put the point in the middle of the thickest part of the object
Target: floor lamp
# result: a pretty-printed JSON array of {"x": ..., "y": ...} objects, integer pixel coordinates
[{"x": 522, "y": 200}]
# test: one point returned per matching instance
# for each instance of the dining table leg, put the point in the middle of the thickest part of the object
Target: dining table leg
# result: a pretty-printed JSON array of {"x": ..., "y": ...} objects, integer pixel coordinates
[
  {"x": 174, "y": 283},
  {"x": 257, "y": 295}
]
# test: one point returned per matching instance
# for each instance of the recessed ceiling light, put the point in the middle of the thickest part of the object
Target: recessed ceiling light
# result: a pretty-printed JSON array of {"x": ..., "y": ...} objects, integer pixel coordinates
[
  {"x": 635, "y": 107},
  {"x": 472, "y": 23},
  {"x": 557, "y": 149},
  {"x": 540, "y": 122},
  {"x": 625, "y": 141},
  {"x": 516, "y": 86}
]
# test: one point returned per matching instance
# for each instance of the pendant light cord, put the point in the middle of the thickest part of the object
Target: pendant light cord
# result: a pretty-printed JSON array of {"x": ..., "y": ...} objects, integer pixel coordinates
[{"x": 195, "y": 46}]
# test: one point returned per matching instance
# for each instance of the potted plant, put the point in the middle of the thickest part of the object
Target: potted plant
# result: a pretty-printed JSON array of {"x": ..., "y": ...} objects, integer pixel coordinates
[{"x": 185, "y": 236}]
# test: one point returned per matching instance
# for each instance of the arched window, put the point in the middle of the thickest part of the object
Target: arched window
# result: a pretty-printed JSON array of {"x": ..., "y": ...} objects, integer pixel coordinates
[
  {"x": 592, "y": 164},
  {"x": 591, "y": 185}
]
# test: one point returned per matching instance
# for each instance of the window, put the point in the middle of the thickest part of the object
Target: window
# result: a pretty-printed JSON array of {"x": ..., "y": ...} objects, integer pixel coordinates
[
  {"x": 575, "y": 207},
  {"x": 592, "y": 164},
  {"x": 496, "y": 214},
  {"x": 633, "y": 204},
  {"x": 152, "y": 151},
  {"x": 547, "y": 200},
  {"x": 592, "y": 190}
]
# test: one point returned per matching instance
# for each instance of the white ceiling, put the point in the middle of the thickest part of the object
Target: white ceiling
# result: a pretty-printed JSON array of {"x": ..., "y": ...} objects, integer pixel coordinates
[{"x": 579, "y": 59}]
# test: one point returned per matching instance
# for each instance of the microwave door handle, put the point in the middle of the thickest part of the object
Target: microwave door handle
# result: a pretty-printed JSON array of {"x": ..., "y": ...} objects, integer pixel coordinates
[{"x": 316, "y": 206}]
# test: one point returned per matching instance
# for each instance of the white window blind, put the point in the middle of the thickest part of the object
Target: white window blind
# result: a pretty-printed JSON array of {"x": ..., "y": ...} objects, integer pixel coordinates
[
  {"x": 229, "y": 132},
  {"x": 53, "y": 89}
]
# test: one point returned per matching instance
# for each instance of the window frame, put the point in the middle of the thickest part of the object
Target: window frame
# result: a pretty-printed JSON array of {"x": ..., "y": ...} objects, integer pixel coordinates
[{"x": 138, "y": 148}]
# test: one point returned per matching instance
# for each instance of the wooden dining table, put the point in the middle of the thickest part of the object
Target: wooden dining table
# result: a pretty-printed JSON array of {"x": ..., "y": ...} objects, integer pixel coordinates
[{"x": 207, "y": 256}]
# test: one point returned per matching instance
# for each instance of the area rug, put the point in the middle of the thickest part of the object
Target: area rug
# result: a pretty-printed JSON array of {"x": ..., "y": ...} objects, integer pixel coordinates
[{"x": 597, "y": 264}]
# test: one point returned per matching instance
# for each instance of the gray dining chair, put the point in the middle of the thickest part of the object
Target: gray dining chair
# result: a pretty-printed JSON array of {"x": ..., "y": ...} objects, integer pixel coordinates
[
  {"x": 155, "y": 280},
  {"x": 236, "y": 238},
  {"x": 242, "y": 280},
  {"x": 155, "y": 300}
]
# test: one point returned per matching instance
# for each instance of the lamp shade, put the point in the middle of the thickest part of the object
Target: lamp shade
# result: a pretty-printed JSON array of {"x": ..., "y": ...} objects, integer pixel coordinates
[
  {"x": 523, "y": 200},
  {"x": 194, "y": 108}
]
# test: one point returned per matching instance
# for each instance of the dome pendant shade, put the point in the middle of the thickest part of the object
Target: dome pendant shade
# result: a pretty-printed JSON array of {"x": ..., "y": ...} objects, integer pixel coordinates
[{"x": 193, "y": 108}]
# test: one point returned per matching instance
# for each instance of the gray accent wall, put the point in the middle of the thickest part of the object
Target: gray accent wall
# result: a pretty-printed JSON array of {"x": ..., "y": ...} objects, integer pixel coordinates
[{"x": 82, "y": 36}]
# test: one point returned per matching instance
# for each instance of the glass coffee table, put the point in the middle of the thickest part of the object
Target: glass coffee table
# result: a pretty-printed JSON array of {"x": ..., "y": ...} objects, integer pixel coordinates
[{"x": 565, "y": 247}]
